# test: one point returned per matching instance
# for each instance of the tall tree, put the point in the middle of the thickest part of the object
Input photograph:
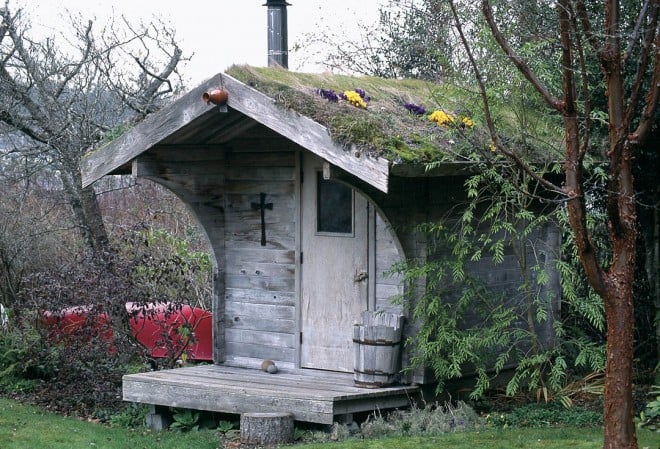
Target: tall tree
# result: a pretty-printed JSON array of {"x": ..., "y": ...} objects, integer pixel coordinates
[
  {"x": 630, "y": 72},
  {"x": 409, "y": 41},
  {"x": 63, "y": 94}
]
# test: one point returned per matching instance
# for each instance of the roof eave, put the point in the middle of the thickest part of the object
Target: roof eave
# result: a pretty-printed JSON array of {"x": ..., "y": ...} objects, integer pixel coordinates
[
  {"x": 146, "y": 134},
  {"x": 254, "y": 104}
]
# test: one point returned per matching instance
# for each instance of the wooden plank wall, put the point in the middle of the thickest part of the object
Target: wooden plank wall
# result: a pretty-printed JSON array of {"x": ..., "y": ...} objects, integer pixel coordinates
[
  {"x": 388, "y": 286},
  {"x": 405, "y": 205},
  {"x": 254, "y": 285},
  {"x": 260, "y": 281}
]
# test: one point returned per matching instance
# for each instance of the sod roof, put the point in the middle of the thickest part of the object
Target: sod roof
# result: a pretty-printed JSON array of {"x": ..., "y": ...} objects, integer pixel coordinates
[{"x": 386, "y": 128}]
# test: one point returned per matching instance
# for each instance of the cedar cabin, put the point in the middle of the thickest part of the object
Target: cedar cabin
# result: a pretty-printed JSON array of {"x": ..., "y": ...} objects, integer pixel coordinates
[
  {"x": 302, "y": 229},
  {"x": 304, "y": 214}
]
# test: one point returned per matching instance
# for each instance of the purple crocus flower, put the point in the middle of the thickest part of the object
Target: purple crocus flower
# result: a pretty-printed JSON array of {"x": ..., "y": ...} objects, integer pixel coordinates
[
  {"x": 328, "y": 94},
  {"x": 416, "y": 109},
  {"x": 363, "y": 94}
]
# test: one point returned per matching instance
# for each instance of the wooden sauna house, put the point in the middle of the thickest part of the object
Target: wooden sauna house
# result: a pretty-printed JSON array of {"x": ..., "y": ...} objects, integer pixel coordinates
[{"x": 303, "y": 227}]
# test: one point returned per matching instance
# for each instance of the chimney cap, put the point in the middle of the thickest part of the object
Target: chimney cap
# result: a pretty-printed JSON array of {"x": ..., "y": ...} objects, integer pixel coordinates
[{"x": 276, "y": 3}]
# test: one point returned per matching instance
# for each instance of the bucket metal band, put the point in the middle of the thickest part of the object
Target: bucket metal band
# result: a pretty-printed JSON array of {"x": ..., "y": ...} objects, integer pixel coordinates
[
  {"x": 377, "y": 342},
  {"x": 373, "y": 372}
]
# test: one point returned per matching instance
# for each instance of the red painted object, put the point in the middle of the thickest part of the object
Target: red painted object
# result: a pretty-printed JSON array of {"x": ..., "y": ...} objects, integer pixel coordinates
[
  {"x": 156, "y": 326},
  {"x": 151, "y": 328},
  {"x": 72, "y": 321}
]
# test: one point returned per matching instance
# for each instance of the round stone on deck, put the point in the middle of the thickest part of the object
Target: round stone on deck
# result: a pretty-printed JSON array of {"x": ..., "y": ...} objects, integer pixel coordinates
[{"x": 267, "y": 428}]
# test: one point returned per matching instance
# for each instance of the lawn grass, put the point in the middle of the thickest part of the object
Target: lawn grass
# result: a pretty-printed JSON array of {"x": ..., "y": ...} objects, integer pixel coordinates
[
  {"x": 548, "y": 438},
  {"x": 25, "y": 427}
]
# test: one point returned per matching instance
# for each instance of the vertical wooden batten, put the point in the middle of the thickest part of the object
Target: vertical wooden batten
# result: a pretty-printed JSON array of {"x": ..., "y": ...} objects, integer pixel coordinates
[
  {"x": 371, "y": 257},
  {"x": 298, "y": 254}
]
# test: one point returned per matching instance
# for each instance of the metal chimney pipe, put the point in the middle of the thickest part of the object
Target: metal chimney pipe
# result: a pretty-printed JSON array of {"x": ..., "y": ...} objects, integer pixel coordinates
[{"x": 278, "y": 46}]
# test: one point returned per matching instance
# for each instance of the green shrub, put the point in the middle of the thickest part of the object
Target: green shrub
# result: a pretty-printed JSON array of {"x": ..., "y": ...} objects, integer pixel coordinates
[
  {"x": 25, "y": 359},
  {"x": 650, "y": 416},
  {"x": 185, "y": 421},
  {"x": 545, "y": 415},
  {"x": 431, "y": 419},
  {"x": 225, "y": 426},
  {"x": 483, "y": 325},
  {"x": 132, "y": 417}
]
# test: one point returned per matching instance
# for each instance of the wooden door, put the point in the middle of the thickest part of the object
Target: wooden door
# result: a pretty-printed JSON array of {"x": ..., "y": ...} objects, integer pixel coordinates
[{"x": 335, "y": 267}]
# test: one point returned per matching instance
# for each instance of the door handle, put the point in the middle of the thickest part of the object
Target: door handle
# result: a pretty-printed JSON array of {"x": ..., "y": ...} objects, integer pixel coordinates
[{"x": 361, "y": 276}]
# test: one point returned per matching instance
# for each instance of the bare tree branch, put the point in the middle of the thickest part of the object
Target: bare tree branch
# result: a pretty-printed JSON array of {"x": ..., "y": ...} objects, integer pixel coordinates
[
  {"x": 14, "y": 122},
  {"x": 87, "y": 41},
  {"x": 586, "y": 135},
  {"x": 64, "y": 103},
  {"x": 573, "y": 164},
  {"x": 648, "y": 115},
  {"x": 586, "y": 25},
  {"x": 489, "y": 118},
  {"x": 634, "y": 35},
  {"x": 524, "y": 69}
]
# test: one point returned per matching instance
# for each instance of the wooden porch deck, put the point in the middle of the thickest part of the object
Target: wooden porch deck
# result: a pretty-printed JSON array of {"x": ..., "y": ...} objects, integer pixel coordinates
[{"x": 310, "y": 395}]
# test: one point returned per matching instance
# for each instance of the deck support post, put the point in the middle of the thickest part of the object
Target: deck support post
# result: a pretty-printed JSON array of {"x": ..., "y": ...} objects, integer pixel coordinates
[
  {"x": 158, "y": 418},
  {"x": 346, "y": 418},
  {"x": 267, "y": 428}
]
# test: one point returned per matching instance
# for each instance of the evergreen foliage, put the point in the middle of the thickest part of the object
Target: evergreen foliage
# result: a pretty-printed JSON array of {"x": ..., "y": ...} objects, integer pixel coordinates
[{"x": 467, "y": 328}]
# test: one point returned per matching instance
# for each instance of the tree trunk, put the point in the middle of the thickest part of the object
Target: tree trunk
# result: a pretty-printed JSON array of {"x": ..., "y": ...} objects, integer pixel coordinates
[
  {"x": 94, "y": 219},
  {"x": 87, "y": 213},
  {"x": 654, "y": 263},
  {"x": 267, "y": 428},
  {"x": 618, "y": 413}
]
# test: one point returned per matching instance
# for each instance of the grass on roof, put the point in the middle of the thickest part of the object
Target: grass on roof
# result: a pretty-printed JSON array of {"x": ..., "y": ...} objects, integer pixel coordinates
[{"x": 386, "y": 128}]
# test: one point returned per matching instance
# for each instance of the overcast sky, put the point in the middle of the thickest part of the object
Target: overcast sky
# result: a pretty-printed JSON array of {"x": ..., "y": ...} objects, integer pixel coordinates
[{"x": 219, "y": 32}]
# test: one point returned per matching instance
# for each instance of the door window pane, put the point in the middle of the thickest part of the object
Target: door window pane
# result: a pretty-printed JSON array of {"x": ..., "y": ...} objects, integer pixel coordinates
[{"x": 334, "y": 205}]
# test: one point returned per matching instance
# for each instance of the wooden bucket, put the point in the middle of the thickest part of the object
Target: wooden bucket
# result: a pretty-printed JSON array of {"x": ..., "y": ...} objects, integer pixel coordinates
[{"x": 377, "y": 348}]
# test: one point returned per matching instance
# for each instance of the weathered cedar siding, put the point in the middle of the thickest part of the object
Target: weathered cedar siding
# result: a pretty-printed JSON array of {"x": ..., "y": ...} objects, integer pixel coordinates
[
  {"x": 255, "y": 303},
  {"x": 254, "y": 285},
  {"x": 388, "y": 286},
  {"x": 260, "y": 281}
]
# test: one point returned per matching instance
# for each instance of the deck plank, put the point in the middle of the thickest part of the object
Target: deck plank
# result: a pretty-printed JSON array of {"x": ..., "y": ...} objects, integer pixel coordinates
[
  {"x": 311, "y": 395},
  {"x": 280, "y": 384}
]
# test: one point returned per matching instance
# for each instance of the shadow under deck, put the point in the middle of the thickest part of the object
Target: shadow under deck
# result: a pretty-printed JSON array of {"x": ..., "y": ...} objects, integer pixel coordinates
[{"x": 310, "y": 395}]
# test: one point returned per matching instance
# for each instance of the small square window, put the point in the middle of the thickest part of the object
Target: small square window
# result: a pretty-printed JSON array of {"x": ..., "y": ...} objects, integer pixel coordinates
[{"x": 334, "y": 205}]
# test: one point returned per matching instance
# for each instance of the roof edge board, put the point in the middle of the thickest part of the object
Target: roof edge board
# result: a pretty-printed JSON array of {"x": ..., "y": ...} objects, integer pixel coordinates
[{"x": 147, "y": 133}]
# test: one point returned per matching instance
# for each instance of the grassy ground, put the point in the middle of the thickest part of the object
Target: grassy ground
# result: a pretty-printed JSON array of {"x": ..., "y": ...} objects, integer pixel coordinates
[
  {"x": 496, "y": 439},
  {"x": 24, "y": 427}
]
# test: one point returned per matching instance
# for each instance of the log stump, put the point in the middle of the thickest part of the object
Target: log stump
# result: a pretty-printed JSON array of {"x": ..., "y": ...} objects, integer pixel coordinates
[{"x": 267, "y": 428}]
